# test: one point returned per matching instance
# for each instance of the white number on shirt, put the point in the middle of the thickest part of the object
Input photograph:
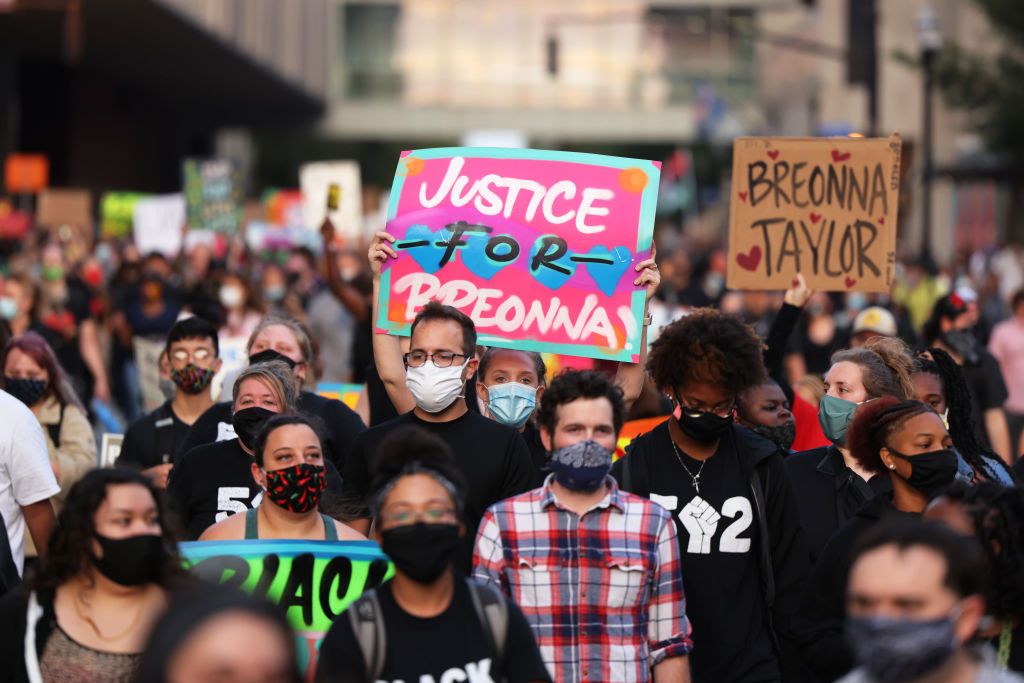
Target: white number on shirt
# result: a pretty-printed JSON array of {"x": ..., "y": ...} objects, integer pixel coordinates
[
  {"x": 738, "y": 507},
  {"x": 231, "y": 500},
  {"x": 701, "y": 520}
]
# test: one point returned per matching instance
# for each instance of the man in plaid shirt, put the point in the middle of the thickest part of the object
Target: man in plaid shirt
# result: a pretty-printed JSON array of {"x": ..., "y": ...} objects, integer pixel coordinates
[{"x": 594, "y": 569}]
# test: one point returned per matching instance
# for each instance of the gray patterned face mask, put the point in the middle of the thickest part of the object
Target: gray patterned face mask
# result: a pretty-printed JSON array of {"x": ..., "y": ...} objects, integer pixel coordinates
[
  {"x": 894, "y": 650},
  {"x": 581, "y": 466}
]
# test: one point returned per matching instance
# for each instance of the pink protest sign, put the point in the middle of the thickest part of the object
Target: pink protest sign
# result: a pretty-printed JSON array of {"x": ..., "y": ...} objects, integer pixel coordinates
[{"x": 537, "y": 247}]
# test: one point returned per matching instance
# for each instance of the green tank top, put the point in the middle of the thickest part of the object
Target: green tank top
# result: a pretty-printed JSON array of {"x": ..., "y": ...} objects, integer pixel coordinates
[{"x": 252, "y": 532}]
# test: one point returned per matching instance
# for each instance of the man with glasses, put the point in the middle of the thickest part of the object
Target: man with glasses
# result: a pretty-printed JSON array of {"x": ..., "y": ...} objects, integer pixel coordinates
[
  {"x": 492, "y": 457},
  {"x": 595, "y": 570},
  {"x": 192, "y": 357},
  {"x": 743, "y": 553}
]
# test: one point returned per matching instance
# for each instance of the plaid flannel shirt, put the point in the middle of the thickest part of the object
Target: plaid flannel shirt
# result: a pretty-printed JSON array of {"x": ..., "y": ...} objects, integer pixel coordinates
[{"x": 603, "y": 592}]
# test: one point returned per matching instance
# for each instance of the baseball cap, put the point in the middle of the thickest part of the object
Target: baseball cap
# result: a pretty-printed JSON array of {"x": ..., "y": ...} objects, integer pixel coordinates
[{"x": 875, "y": 319}]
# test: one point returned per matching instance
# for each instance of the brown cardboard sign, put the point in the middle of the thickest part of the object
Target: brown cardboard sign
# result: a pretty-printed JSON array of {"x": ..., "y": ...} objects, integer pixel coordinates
[
  {"x": 59, "y": 207},
  {"x": 824, "y": 207}
]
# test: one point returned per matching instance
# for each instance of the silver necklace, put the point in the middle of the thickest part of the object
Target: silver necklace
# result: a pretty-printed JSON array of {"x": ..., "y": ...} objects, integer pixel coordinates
[{"x": 694, "y": 477}]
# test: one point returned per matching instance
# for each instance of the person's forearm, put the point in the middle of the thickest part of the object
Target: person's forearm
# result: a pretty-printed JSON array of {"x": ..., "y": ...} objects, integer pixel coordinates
[
  {"x": 89, "y": 347},
  {"x": 672, "y": 670},
  {"x": 781, "y": 329},
  {"x": 387, "y": 355},
  {"x": 350, "y": 297},
  {"x": 998, "y": 433},
  {"x": 630, "y": 376},
  {"x": 40, "y": 520}
]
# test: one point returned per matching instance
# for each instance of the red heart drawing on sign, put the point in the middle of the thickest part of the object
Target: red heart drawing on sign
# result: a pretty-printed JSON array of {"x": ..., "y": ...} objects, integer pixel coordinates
[
  {"x": 838, "y": 156},
  {"x": 751, "y": 260},
  {"x": 815, "y": 217},
  {"x": 850, "y": 282},
  {"x": 774, "y": 154},
  {"x": 743, "y": 196},
  {"x": 881, "y": 220}
]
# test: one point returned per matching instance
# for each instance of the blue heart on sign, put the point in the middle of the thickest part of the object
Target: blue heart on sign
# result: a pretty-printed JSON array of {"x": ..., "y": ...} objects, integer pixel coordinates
[
  {"x": 474, "y": 255},
  {"x": 428, "y": 255},
  {"x": 607, "y": 275},
  {"x": 545, "y": 274}
]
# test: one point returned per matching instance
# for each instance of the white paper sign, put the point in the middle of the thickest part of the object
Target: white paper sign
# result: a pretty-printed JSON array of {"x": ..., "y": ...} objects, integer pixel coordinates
[
  {"x": 316, "y": 179},
  {"x": 157, "y": 224}
]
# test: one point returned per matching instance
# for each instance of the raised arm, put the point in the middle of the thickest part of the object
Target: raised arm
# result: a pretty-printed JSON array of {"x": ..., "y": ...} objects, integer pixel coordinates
[
  {"x": 630, "y": 376},
  {"x": 387, "y": 350},
  {"x": 350, "y": 297}
]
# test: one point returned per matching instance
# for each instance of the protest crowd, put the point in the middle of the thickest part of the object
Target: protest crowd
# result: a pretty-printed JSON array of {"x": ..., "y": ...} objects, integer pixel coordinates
[{"x": 795, "y": 485}]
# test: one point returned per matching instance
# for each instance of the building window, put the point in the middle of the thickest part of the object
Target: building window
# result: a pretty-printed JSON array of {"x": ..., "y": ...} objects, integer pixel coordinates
[{"x": 368, "y": 53}]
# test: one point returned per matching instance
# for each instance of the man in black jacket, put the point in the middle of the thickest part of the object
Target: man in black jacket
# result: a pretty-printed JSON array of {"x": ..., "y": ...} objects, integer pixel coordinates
[{"x": 743, "y": 553}]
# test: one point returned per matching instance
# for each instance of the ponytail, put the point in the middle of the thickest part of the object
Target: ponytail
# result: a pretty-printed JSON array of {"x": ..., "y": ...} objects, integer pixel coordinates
[{"x": 886, "y": 366}]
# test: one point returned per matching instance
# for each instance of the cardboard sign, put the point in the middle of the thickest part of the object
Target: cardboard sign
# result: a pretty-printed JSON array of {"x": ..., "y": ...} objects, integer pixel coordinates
[
  {"x": 332, "y": 188},
  {"x": 26, "y": 173},
  {"x": 110, "y": 449},
  {"x": 117, "y": 211},
  {"x": 824, "y": 207},
  {"x": 147, "y": 362},
  {"x": 64, "y": 207},
  {"x": 340, "y": 391},
  {"x": 314, "y": 581},
  {"x": 213, "y": 194},
  {"x": 537, "y": 247},
  {"x": 283, "y": 208}
]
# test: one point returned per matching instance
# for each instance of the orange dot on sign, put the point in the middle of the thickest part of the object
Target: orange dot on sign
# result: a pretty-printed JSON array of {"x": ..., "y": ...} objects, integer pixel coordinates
[
  {"x": 413, "y": 166},
  {"x": 633, "y": 179}
]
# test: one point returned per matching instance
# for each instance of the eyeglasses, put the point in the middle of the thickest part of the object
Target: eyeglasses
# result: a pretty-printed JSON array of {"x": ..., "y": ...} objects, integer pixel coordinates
[
  {"x": 441, "y": 359},
  {"x": 431, "y": 515},
  {"x": 721, "y": 410},
  {"x": 199, "y": 355}
]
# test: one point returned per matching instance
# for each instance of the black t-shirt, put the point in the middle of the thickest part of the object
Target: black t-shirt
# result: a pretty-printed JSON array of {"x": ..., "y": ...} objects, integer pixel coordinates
[
  {"x": 148, "y": 437},
  {"x": 452, "y": 646},
  {"x": 212, "y": 482},
  {"x": 717, "y": 536},
  {"x": 988, "y": 390},
  {"x": 817, "y": 357},
  {"x": 341, "y": 426},
  {"x": 538, "y": 454},
  {"x": 493, "y": 460}
]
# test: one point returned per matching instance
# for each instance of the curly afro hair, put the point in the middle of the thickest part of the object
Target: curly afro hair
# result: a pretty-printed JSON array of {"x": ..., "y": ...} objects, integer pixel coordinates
[
  {"x": 707, "y": 347},
  {"x": 873, "y": 424}
]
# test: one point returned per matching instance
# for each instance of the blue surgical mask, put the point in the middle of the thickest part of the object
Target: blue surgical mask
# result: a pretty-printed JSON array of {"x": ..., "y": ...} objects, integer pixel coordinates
[
  {"x": 835, "y": 416},
  {"x": 8, "y": 308},
  {"x": 511, "y": 403}
]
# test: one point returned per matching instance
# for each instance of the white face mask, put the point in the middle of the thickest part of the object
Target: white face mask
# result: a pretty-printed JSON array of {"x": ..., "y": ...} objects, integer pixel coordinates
[
  {"x": 231, "y": 296},
  {"x": 434, "y": 388}
]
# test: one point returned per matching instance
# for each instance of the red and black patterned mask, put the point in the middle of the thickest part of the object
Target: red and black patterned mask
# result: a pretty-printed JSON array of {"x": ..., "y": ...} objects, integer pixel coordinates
[{"x": 297, "y": 488}]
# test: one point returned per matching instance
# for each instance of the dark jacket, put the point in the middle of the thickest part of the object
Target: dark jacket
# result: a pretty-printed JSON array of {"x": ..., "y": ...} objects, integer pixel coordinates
[
  {"x": 828, "y": 493},
  {"x": 823, "y": 606},
  {"x": 14, "y": 616},
  {"x": 783, "y": 559}
]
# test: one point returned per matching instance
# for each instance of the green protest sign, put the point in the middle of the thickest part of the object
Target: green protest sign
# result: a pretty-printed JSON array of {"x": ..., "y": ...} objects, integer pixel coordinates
[
  {"x": 213, "y": 194},
  {"x": 314, "y": 581}
]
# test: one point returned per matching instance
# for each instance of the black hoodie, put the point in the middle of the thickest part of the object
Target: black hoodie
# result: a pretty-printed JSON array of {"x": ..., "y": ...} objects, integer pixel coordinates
[
  {"x": 823, "y": 606},
  {"x": 742, "y": 591}
]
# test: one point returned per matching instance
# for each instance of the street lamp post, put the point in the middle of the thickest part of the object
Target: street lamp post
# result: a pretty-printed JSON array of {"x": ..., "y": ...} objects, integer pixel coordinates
[{"x": 929, "y": 42}]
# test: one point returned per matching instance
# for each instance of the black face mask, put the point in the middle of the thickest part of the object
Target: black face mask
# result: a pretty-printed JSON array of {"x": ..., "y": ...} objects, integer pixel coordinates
[
  {"x": 269, "y": 355},
  {"x": 131, "y": 561},
  {"x": 248, "y": 423},
  {"x": 28, "y": 391},
  {"x": 932, "y": 472},
  {"x": 704, "y": 427},
  {"x": 421, "y": 551},
  {"x": 782, "y": 435},
  {"x": 963, "y": 343}
]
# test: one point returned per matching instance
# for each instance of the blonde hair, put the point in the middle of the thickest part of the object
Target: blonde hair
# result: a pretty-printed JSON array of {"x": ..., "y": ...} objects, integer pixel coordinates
[
  {"x": 885, "y": 364},
  {"x": 278, "y": 378}
]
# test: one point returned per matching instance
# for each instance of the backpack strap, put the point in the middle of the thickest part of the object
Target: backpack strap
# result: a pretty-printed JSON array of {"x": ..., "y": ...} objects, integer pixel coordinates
[
  {"x": 368, "y": 626},
  {"x": 164, "y": 425},
  {"x": 492, "y": 610}
]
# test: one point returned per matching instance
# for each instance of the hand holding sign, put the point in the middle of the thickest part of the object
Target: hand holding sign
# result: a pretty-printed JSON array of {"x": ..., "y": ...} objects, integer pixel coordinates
[
  {"x": 799, "y": 293},
  {"x": 822, "y": 207}
]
